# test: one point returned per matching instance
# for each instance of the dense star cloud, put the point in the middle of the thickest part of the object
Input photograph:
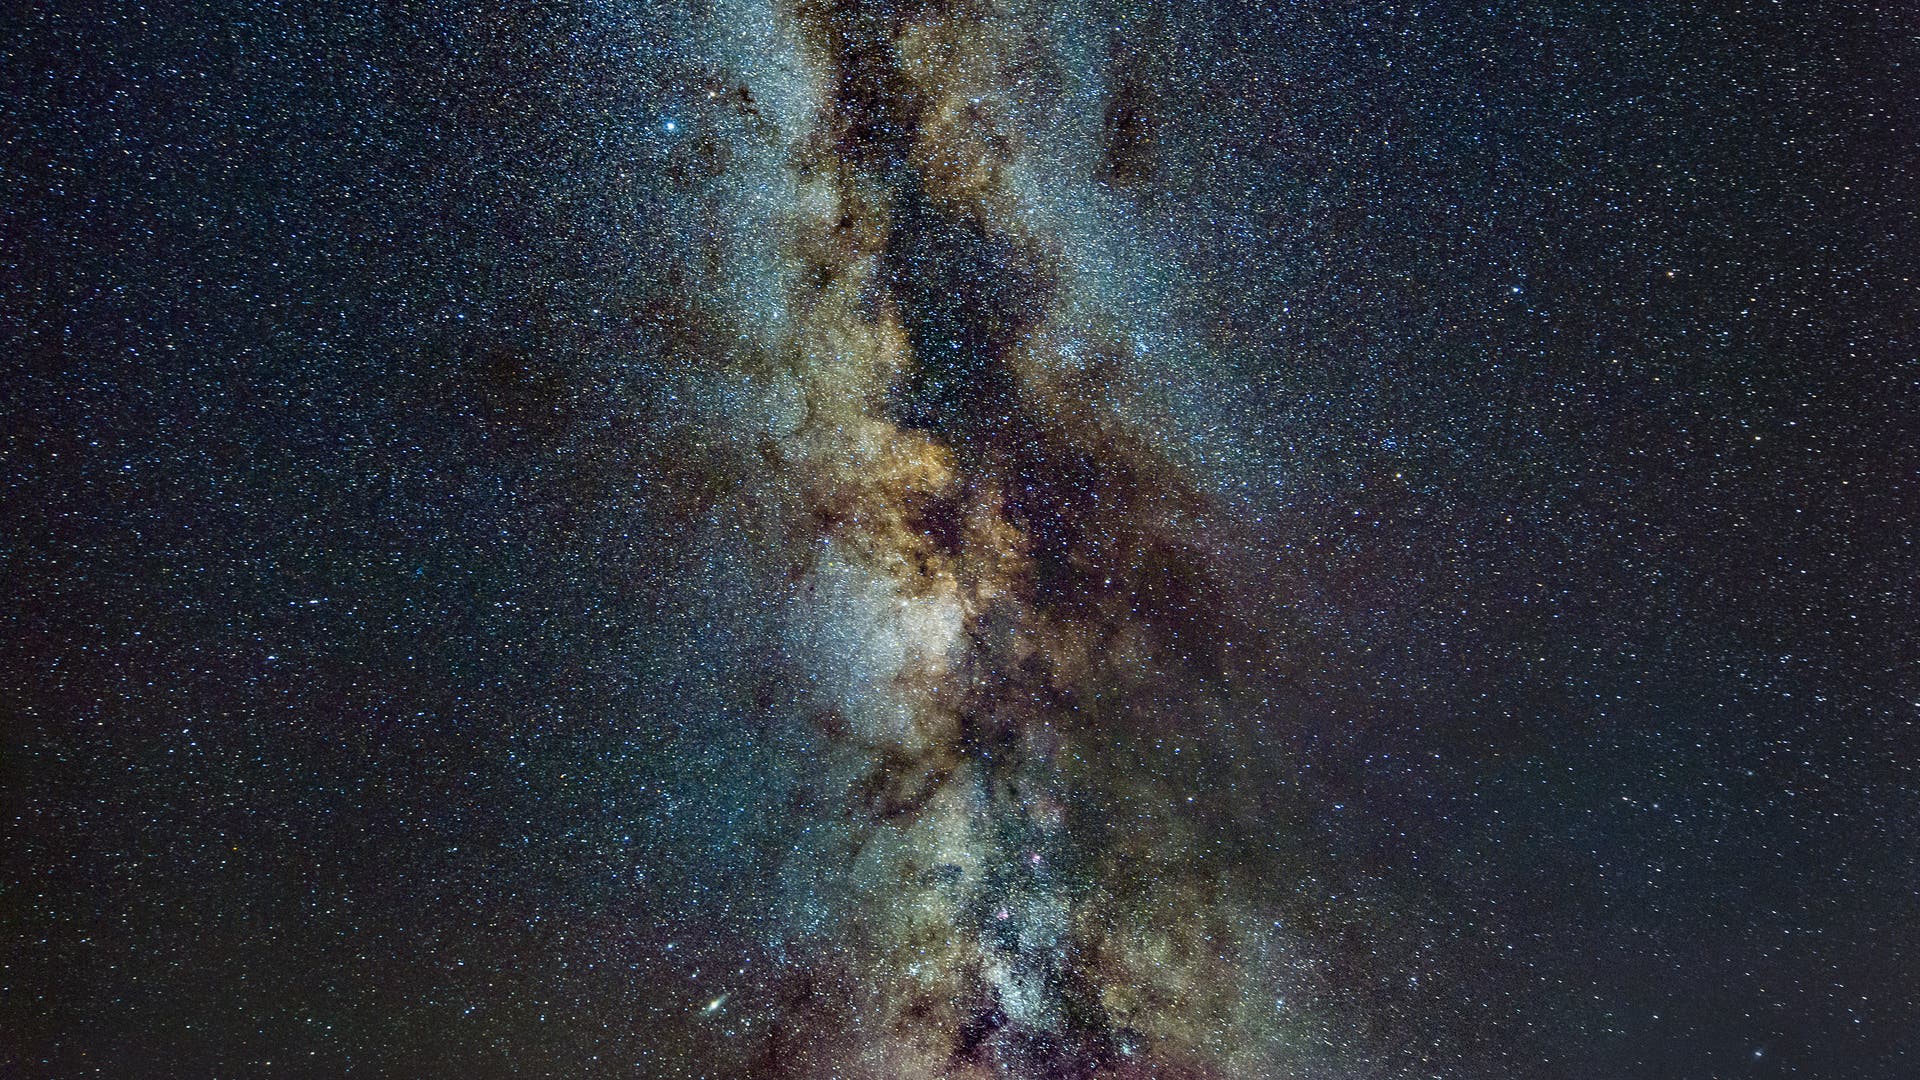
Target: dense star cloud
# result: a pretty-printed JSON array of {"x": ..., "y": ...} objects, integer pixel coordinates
[{"x": 959, "y": 538}]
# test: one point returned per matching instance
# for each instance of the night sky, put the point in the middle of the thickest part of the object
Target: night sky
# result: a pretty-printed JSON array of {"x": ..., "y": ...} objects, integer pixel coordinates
[{"x": 889, "y": 539}]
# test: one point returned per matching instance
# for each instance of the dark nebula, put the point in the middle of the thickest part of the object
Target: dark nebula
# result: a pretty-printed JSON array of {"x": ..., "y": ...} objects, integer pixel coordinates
[{"x": 846, "y": 539}]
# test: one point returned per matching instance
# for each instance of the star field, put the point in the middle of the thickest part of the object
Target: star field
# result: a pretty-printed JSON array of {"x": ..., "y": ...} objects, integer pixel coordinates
[{"x": 959, "y": 538}]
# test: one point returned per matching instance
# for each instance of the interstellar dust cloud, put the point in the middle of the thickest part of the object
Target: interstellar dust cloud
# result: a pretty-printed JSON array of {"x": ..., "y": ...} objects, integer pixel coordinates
[{"x": 1038, "y": 660}]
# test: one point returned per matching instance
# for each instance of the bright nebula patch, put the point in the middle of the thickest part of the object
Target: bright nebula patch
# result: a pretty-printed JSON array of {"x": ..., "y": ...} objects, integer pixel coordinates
[{"x": 1023, "y": 610}]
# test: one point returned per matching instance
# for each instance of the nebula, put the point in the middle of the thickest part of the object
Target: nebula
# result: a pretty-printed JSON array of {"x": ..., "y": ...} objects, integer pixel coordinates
[{"x": 1017, "y": 613}]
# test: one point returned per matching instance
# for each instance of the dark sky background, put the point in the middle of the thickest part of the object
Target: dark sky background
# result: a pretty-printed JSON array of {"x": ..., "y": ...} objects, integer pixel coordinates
[{"x": 383, "y": 664}]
